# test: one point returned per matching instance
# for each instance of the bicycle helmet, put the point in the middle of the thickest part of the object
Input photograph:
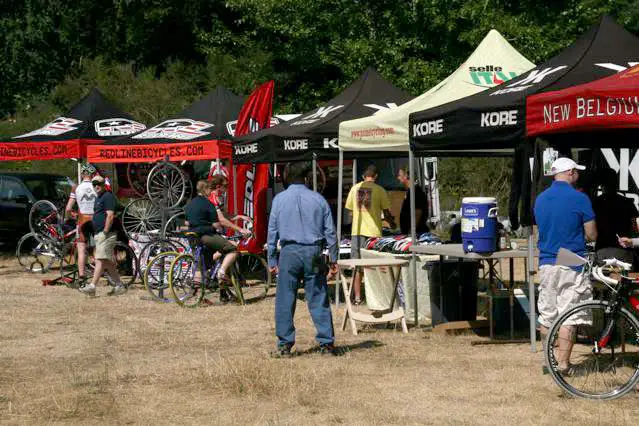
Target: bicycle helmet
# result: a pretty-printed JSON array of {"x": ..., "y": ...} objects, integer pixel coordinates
[{"x": 87, "y": 169}]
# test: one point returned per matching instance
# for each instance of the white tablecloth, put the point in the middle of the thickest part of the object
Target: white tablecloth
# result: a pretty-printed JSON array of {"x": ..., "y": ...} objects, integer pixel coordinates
[{"x": 379, "y": 288}]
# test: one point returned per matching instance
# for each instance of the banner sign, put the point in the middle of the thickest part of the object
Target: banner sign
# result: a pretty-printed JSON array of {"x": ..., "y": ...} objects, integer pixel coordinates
[
  {"x": 252, "y": 179},
  {"x": 204, "y": 150},
  {"x": 20, "y": 151}
]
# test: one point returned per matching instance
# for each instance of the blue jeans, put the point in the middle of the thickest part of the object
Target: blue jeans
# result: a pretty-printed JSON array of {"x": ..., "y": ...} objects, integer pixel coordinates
[{"x": 301, "y": 262}]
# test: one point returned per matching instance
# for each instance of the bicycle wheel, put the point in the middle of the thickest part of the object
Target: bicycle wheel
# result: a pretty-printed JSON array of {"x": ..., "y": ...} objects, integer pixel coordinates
[
  {"x": 45, "y": 222},
  {"x": 126, "y": 263},
  {"x": 175, "y": 222},
  {"x": 235, "y": 289},
  {"x": 156, "y": 276},
  {"x": 594, "y": 371},
  {"x": 141, "y": 217},
  {"x": 34, "y": 255},
  {"x": 254, "y": 276},
  {"x": 166, "y": 185},
  {"x": 184, "y": 282}
]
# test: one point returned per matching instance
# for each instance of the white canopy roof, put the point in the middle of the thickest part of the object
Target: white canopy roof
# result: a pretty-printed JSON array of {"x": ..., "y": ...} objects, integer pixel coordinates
[{"x": 493, "y": 62}]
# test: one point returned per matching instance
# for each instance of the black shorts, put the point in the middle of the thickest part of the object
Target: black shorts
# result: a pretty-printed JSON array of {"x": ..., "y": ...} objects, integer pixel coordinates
[{"x": 217, "y": 243}]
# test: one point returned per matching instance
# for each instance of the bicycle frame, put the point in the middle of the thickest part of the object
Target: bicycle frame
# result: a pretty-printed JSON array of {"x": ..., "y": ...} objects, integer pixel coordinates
[{"x": 621, "y": 296}]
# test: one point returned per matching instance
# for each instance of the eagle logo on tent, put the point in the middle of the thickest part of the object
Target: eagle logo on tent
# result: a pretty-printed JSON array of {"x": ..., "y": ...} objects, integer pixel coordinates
[
  {"x": 117, "y": 127},
  {"x": 182, "y": 129},
  {"x": 57, "y": 127}
]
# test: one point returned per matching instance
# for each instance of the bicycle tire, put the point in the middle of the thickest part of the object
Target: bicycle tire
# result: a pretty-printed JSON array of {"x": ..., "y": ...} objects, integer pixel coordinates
[
  {"x": 186, "y": 290},
  {"x": 156, "y": 277},
  {"x": 31, "y": 252},
  {"x": 38, "y": 212},
  {"x": 141, "y": 217},
  {"x": 135, "y": 174},
  {"x": 235, "y": 289},
  {"x": 166, "y": 185},
  {"x": 592, "y": 365},
  {"x": 254, "y": 275}
]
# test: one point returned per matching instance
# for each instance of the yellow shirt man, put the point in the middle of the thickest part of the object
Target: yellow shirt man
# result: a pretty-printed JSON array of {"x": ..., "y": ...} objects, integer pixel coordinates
[{"x": 367, "y": 201}]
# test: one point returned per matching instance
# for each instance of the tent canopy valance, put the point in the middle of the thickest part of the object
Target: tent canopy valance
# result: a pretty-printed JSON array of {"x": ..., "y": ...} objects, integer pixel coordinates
[
  {"x": 574, "y": 116},
  {"x": 493, "y": 62},
  {"x": 194, "y": 134},
  {"x": 93, "y": 120},
  {"x": 315, "y": 134},
  {"x": 495, "y": 118}
]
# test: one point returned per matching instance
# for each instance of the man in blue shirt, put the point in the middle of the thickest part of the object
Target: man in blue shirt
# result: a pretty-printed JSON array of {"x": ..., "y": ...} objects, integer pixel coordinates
[
  {"x": 301, "y": 220},
  {"x": 565, "y": 219}
]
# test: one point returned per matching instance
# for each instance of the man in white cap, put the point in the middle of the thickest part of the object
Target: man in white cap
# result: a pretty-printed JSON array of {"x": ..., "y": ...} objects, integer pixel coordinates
[{"x": 565, "y": 219}]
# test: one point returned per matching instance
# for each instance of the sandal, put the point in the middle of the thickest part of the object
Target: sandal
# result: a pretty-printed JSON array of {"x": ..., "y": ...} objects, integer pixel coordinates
[{"x": 357, "y": 302}]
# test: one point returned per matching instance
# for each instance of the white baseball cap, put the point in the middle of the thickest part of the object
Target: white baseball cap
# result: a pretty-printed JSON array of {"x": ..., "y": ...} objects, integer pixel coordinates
[{"x": 563, "y": 164}]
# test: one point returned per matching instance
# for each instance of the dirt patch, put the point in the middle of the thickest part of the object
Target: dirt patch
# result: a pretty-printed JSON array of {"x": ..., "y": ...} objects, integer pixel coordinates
[{"x": 71, "y": 359}]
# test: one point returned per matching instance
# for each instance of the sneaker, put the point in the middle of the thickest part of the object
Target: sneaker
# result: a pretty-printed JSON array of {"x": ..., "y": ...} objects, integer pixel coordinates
[
  {"x": 117, "y": 290},
  {"x": 88, "y": 289},
  {"x": 329, "y": 349},
  {"x": 224, "y": 296},
  {"x": 283, "y": 351}
]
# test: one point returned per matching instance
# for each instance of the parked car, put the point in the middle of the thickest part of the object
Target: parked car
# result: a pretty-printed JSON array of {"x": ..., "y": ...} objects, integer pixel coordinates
[{"x": 18, "y": 192}]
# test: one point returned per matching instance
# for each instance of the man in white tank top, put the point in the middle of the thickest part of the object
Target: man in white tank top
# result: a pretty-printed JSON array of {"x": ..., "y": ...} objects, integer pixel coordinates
[{"x": 85, "y": 196}]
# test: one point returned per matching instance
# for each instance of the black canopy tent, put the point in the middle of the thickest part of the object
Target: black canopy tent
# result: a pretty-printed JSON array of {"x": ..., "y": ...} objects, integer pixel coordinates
[
  {"x": 193, "y": 134},
  {"x": 314, "y": 135},
  {"x": 493, "y": 122},
  {"x": 93, "y": 120}
]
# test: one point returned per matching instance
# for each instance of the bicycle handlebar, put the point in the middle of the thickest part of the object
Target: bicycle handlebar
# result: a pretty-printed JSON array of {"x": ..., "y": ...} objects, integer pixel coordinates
[
  {"x": 599, "y": 275},
  {"x": 617, "y": 264}
]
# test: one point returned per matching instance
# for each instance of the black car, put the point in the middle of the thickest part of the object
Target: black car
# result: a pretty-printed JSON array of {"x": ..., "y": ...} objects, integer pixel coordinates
[{"x": 18, "y": 192}]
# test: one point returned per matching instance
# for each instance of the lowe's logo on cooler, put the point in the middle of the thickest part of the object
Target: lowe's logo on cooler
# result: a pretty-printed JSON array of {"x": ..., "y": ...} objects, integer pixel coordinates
[
  {"x": 470, "y": 211},
  {"x": 428, "y": 128},
  {"x": 490, "y": 75},
  {"x": 246, "y": 149},
  {"x": 499, "y": 118},
  {"x": 295, "y": 144}
]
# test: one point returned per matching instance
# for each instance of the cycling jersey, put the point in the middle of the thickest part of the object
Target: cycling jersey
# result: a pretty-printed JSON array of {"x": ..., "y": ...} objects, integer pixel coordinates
[{"x": 85, "y": 196}]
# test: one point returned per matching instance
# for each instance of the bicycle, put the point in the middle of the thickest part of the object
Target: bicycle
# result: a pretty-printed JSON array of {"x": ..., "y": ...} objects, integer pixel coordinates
[
  {"x": 188, "y": 291},
  {"x": 49, "y": 240},
  {"x": 604, "y": 361}
]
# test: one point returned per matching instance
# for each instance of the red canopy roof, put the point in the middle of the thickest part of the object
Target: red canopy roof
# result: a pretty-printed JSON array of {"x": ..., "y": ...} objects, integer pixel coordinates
[{"x": 608, "y": 103}]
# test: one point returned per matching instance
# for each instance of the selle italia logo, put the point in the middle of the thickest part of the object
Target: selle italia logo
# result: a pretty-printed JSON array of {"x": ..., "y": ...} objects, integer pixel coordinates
[{"x": 489, "y": 75}]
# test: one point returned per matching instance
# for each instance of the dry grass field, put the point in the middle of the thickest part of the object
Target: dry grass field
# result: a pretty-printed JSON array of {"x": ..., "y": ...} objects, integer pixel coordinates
[{"x": 66, "y": 358}]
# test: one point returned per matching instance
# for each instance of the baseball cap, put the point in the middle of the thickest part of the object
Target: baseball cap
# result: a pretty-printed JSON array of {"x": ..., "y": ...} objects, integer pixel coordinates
[
  {"x": 97, "y": 179},
  {"x": 563, "y": 164}
]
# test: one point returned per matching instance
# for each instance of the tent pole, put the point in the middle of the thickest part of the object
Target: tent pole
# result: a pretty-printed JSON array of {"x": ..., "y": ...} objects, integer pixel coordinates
[
  {"x": 314, "y": 172},
  {"x": 531, "y": 290},
  {"x": 354, "y": 171},
  {"x": 340, "y": 181},
  {"x": 413, "y": 231},
  {"x": 235, "y": 209}
]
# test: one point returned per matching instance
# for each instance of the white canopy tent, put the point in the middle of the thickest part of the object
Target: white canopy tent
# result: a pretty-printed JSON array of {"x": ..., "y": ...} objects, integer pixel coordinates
[{"x": 493, "y": 62}]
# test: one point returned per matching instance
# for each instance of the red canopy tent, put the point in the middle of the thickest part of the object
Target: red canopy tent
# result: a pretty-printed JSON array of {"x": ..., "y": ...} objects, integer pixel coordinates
[
  {"x": 608, "y": 103},
  {"x": 93, "y": 120}
]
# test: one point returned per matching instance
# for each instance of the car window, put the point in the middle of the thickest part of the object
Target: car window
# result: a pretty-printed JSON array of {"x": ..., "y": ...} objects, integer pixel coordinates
[
  {"x": 39, "y": 188},
  {"x": 12, "y": 190}
]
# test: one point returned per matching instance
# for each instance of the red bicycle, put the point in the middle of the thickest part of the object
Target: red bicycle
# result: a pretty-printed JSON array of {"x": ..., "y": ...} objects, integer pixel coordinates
[{"x": 592, "y": 350}]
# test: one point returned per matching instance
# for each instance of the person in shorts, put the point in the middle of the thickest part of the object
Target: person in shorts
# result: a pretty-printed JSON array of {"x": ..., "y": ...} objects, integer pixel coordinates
[
  {"x": 202, "y": 218},
  {"x": 367, "y": 201},
  {"x": 105, "y": 239},
  {"x": 565, "y": 219},
  {"x": 84, "y": 195}
]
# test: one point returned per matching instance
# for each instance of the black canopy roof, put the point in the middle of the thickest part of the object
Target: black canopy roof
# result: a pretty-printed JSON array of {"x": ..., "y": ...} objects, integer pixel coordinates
[
  {"x": 316, "y": 131},
  {"x": 495, "y": 119},
  {"x": 211, "y": 118}
]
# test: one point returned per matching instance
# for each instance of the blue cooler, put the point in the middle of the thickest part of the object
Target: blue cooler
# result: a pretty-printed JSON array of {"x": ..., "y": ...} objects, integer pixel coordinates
[{"x": 479, "y": 224}]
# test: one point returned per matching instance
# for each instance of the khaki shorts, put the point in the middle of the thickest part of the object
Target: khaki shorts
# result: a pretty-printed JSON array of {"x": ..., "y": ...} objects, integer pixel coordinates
[
  {"x": 560, "y": 289},
  {"x": 105, "y": 245}
]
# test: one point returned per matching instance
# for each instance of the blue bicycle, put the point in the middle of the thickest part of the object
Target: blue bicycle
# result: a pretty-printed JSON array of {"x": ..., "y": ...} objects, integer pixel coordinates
[{"x": 191, "y": 275}]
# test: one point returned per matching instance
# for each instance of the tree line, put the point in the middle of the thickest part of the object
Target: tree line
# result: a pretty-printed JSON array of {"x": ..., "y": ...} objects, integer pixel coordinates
[{"x": 153, "y": 58}]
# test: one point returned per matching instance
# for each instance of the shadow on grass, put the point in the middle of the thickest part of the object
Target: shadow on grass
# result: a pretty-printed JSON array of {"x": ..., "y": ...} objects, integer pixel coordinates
[{"x": 341, "y": 350}]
